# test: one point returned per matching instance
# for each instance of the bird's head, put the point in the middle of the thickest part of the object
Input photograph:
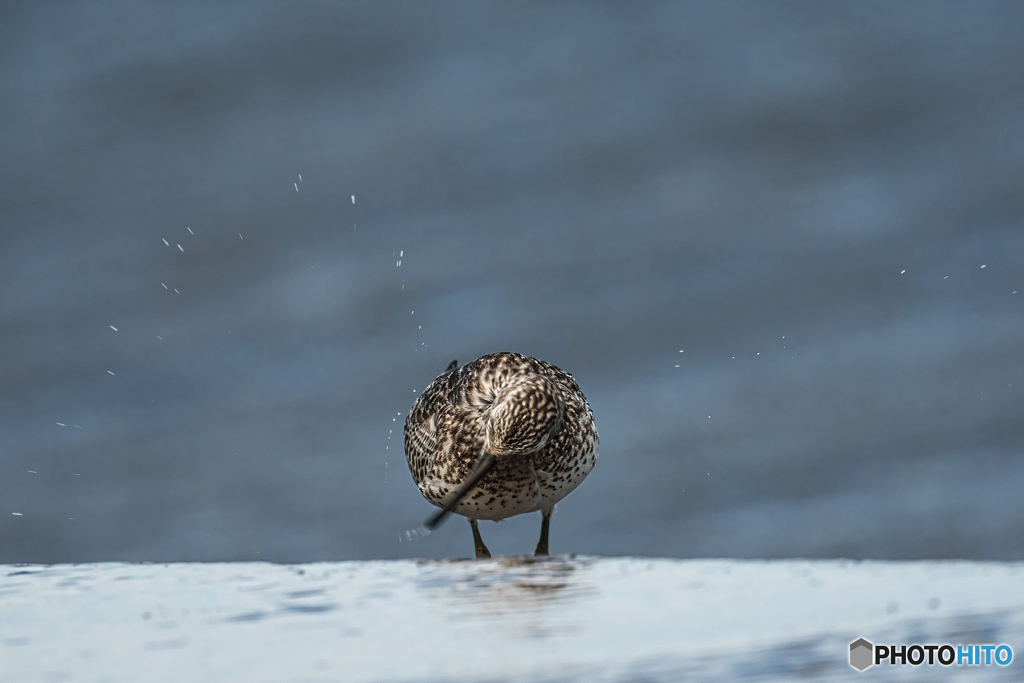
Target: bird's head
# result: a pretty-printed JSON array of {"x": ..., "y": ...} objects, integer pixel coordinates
[{"x": 525, "y": 414}]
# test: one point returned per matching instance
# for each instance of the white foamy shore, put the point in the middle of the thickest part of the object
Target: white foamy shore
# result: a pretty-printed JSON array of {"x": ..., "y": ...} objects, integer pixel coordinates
[{"x": 564, "y": 618}]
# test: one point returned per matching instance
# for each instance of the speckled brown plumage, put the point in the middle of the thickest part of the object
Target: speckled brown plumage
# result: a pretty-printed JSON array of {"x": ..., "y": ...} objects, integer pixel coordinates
[{"x": 530, "y": 415}]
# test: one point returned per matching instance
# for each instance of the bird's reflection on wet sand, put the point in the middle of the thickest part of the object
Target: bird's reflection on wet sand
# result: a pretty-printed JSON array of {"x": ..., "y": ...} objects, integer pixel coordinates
[{"x": 523, "y": 594}]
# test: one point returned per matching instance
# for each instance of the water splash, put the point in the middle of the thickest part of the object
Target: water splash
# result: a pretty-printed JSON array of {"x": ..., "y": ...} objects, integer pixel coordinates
[{"x": 416, "y": 534}]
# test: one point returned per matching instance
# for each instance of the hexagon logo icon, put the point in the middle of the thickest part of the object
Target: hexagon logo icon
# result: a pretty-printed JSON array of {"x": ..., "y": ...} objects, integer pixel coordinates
[{"x": 861, "y": 654}]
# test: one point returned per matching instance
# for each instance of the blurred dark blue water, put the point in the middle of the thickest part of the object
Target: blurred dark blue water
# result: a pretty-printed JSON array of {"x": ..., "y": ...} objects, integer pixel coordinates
[{"x": 779, "y": 246}]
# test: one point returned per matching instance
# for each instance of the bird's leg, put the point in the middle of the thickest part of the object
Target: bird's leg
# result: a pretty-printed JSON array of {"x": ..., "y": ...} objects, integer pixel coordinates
[
  {"x": 545, "y": 523},
  {"x": 478, "y": 542}
]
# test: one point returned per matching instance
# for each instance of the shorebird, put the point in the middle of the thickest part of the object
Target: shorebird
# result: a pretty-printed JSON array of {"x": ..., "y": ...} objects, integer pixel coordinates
[{"x": 502, "y": 436}]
